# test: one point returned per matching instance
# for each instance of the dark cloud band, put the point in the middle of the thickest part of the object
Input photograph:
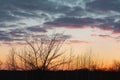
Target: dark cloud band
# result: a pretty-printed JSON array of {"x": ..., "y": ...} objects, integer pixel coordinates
[{"x": 16, "y": 14}]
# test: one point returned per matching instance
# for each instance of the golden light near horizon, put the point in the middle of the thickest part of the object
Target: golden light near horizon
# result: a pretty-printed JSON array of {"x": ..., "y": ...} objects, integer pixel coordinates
[
  {"x": 101, "y": 41},
  {"x": 82, "y": 40},
  {"x": 85, "y": 24}
]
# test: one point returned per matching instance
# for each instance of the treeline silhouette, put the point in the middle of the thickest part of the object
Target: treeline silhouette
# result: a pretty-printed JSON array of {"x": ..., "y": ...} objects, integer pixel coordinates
[
  {"x": 42, "y": 59},
  {"x": 83, "y": 74}
]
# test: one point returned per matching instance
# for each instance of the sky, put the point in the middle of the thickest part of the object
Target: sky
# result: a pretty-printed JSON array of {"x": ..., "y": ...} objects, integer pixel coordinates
[{"x": 87, "y": 24}]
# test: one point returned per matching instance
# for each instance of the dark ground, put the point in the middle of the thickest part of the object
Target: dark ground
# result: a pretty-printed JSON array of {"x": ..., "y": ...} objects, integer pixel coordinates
[{"x": 60, "y": 75}]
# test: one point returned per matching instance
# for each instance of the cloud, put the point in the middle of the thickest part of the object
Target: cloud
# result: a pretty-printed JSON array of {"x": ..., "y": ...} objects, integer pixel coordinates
[
  {"x": 26, "y": 14},
  {"x": 75, "y": 22},
  {"x": 4, "y": 36},
  {"x": 104, "y": 36},
  {"x": 63, "y": 36},
  {"x": 71, "y": 22},
  {"x": 19, "y": 35},
  {"x": 36, "y": 29},
  {"x": 104, "y": 5},
  {"x": 78, "y": 42},
  {"x": 12, "y": 35},
  {"x": 16, "y": 34}
]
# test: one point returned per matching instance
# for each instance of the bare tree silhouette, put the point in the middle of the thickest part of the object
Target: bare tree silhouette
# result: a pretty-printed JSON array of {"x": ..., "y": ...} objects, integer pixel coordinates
[
  {"x": 43, "y": 53},
  {"x": 1, "y": 64},
  {"x": 70, "y": 59},
  {"x": 86, "y": 60},
  {"x": 116, "y": 65},
  {"x": 11, "y": 60}
]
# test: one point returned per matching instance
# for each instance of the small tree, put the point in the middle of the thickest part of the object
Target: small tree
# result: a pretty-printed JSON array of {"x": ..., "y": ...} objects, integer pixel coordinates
[
  {"x": 11, "y": 60},
  {"x": 116, "y": 65},
  {"x": 86, "y": 60},
  {"x": 1, "y": 64},
  {"x": 70, "y": 59},
  {"x": 43, "y": 53}
]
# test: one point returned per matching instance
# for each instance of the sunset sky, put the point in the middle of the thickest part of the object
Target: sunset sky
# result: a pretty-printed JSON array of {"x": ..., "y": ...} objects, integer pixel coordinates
[{"x": 87, "y": 24}]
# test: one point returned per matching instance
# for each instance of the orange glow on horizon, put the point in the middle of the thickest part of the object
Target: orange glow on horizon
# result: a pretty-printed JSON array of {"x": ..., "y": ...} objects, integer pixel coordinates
[{"x": 103, "y": 44}]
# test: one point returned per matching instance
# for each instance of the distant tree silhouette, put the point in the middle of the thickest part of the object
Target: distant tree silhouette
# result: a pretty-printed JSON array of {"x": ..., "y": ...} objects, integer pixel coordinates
[
  {"x": 1, "y": 64},
  {"x": 11, "y": 60},
  {"x": 116, "y": 65},
  {"x": 70, "y": 59},
  {"x": 86, "y": 60}
]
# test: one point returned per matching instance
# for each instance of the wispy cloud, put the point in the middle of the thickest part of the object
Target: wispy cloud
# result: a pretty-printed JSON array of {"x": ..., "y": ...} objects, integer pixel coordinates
[
  {"x": 36, "y": 15},
  {"x": 78, "y": 42}
]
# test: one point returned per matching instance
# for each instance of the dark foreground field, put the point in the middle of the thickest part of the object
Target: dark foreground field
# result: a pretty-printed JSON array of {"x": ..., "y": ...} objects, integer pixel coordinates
[{"x": 60, "y": 75}]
